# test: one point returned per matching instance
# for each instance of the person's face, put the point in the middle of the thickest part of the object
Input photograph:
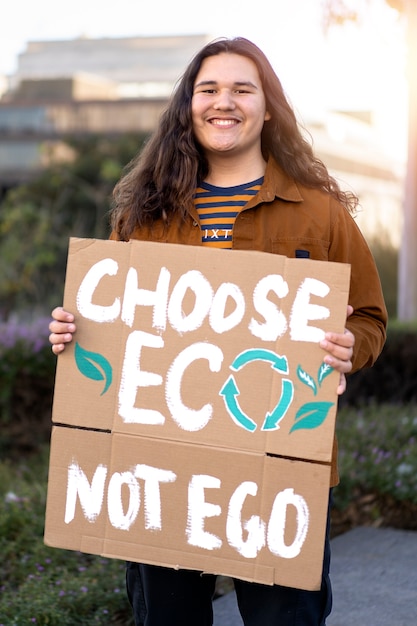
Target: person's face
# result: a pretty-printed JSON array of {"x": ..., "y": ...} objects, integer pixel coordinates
[{"x": 228, "y": 106}]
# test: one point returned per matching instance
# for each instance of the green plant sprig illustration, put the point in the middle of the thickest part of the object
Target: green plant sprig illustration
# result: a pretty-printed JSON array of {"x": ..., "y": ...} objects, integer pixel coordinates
[
  {"x": 93, "y": 366},
  {"x": 312, "y": 414}
]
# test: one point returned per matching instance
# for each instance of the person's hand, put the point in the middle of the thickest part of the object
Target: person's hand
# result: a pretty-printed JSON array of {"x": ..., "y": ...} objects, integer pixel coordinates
[
  {"x": 62, "y": 328},
  {"x": 339, "y": 349}
]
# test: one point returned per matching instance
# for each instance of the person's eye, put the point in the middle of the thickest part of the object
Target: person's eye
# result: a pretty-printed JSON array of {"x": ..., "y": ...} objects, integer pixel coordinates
[{"x": 203, "y": 92}]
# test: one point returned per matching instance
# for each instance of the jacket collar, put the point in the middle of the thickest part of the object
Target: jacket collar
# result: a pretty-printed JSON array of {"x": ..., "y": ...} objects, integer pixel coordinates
[{"x": 277, "y": 184}]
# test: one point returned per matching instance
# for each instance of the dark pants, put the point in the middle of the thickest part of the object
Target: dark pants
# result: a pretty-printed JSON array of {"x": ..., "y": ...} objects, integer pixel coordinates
[{"x": 166, "y": 597}]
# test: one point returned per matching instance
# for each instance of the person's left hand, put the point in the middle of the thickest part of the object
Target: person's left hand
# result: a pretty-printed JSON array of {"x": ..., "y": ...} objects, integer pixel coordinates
[{"x": 339, "y": 349}]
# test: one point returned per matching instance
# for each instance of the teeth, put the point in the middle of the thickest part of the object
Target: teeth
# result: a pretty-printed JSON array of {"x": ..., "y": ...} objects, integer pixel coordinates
[{"x": 223, "y": 122}]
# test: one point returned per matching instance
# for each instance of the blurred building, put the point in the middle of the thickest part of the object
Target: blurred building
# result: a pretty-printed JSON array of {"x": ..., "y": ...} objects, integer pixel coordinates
[
  {"x": 137, "y": 66},
  {"x": 3, "y": 85},
  {"x": 349, "y": 144},
  {"x": 115, "y": 86},
  {"x": 85, "y": 86}
]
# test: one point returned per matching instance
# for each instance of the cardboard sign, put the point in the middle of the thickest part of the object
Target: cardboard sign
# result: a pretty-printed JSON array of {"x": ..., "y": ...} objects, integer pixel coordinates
[{"x": 194, "y": 417}]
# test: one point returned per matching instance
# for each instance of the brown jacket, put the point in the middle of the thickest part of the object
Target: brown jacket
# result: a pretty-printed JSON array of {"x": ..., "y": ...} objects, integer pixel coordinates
[{"x": 284, "y": 217}]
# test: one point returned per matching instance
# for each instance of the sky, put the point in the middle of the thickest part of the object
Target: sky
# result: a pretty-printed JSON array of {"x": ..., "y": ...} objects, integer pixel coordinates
[{"x": 350, "y": 67}]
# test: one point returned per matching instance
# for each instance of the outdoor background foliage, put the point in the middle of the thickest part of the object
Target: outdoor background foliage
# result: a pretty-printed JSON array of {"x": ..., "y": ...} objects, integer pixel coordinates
[{"x": 37, "y": 219}]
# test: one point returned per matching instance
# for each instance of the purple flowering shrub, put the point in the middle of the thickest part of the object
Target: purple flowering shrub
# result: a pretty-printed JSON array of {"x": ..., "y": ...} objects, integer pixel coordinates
[
  {"x": 27, "y": 369},
  {"x": 30, "y": 336}
]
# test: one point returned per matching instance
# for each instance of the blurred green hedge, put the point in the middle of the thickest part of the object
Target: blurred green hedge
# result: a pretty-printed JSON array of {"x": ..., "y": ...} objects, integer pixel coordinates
[{"x": 393, "y": 378}]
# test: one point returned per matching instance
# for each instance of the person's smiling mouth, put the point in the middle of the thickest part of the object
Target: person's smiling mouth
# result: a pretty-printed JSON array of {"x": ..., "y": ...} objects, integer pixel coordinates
[{"x": 224, "y": 122}]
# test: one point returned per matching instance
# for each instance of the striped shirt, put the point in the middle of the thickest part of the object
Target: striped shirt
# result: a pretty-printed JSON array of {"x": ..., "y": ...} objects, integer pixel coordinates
[{"x": 218, "y": 208}]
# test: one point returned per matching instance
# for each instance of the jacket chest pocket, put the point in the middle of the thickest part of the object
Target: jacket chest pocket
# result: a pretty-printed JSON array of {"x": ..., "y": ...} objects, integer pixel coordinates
[{"x": 301, "y": 247}]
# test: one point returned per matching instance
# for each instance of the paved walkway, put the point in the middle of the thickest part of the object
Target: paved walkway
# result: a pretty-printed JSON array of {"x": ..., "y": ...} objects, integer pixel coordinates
[{"x": 374, "y": 579}]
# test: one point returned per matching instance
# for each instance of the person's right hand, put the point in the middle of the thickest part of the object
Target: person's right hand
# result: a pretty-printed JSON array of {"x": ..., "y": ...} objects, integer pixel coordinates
[{"x": 62, "y": 328}]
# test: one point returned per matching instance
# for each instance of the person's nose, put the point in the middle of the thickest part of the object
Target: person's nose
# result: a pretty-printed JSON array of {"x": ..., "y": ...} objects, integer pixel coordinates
[{"x": 224, "y": 101}]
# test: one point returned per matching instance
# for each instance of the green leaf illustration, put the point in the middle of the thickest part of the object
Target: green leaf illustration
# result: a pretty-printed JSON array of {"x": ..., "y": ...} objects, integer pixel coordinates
[
  {"x": 324, "y": 371},
  {"x": 94, "y": 366},
  {"x": 311, "y": 415},
  {"x": 306, "y": 379}
]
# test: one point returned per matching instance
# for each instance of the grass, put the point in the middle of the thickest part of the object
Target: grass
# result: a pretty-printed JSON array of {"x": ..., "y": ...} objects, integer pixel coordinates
[
  {"x": 46, "y": 586},
  {"x": 378, "y": 452},
  {"x": 42, "y": 585}
]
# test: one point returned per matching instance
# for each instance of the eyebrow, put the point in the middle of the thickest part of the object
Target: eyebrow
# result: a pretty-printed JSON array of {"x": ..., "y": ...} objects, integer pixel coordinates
[{"x": 237, "y": 84}]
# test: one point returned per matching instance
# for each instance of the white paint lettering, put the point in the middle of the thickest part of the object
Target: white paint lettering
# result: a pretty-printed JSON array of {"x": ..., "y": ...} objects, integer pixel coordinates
[
  {"x": 118, "y": 518},
  {"x": 218, "y": 322},
  {"x": 91, "y": 496},
  {"x": 302, "y": 311},
  {"x": 254, "y": 526},
  {"x": 152, "y": 493},
  {"x": 134, "y": 377},
  {"x": 199, "y": 509},
  {"x": 275, "y": 324},
  {"x": 187, "y": 418},
  {"x": 277, "y": 522},
  {"x": 158, "y": 299},
  {"x": 85, "y": 306},
  {"x": 203, "y": 292},
  {"x": 248, "y": 537}
]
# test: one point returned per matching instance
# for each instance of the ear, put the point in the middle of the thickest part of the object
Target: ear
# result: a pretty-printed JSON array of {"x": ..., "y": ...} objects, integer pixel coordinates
[{"x": 267, "y": 116}]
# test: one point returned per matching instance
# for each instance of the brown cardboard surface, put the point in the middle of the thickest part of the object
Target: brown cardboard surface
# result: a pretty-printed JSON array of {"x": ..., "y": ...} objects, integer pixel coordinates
[
  {"x": 183, "y": 505},
  {"x": 207, "y": 370}
]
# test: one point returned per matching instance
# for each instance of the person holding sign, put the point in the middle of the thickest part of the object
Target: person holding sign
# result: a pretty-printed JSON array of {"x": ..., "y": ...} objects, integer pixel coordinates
[{"x": 229, "y": 167}]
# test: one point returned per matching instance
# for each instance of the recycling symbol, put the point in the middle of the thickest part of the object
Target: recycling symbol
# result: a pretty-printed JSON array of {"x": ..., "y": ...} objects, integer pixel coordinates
[{"x": 230, "y": 390}]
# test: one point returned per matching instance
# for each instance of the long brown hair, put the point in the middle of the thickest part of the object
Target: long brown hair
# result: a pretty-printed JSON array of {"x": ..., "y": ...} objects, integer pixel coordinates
[{"x": 162, "y": 180}]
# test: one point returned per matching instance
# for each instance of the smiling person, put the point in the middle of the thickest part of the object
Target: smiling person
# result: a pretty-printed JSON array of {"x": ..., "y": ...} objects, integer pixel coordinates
[{"x": 228, "y": 167}]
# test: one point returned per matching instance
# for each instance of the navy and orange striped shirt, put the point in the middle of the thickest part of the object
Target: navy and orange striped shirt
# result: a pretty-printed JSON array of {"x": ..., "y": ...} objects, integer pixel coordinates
[{"x": 218, "y": 208}]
